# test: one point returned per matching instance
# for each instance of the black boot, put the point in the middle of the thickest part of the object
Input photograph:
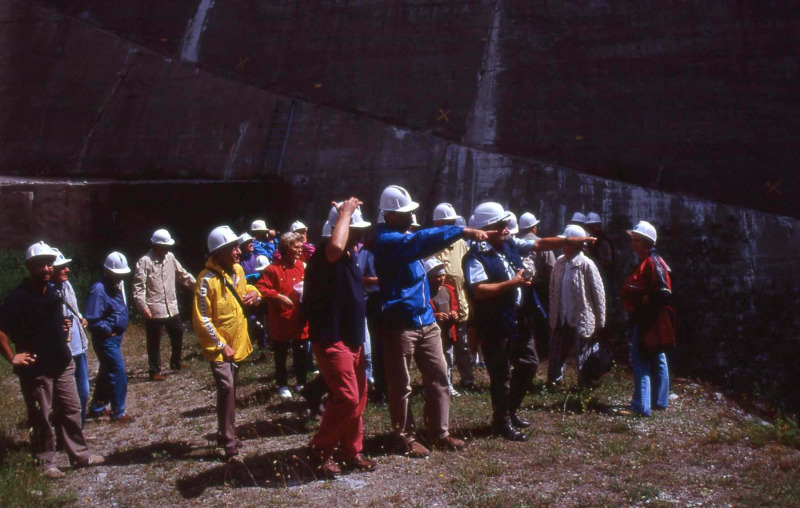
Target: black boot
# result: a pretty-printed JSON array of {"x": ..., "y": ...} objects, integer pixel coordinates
[
  {"x": 518, "y": 422},
  {"x": 510, "y": 433}
]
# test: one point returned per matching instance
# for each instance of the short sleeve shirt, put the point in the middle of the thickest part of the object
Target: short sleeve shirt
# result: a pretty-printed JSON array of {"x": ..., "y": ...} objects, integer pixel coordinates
[
  {"x": 476, "y": 273},
  {"x": 333, "y": 299},
  {"x": 34, "y": 323}
]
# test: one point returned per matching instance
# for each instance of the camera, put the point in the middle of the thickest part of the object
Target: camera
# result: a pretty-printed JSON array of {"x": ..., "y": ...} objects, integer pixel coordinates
[{"x": 527, "y": 274}]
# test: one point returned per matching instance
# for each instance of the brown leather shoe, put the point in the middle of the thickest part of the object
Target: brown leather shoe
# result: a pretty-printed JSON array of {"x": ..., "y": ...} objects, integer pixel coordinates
[
  {"x": 329, "y": 468},
  {"x": 360, "y": 463},
  {"x": 94, "y": 460},
  {"x": 126, "y": 418},
  {"x": 157, "y": 377},
  {"x": 449, "y": 443},
  {"x": 414, "y": 449}
]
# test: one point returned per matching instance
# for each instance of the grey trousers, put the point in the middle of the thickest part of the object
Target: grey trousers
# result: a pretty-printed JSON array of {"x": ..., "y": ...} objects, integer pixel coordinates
[
  {"x": 462, "y": 356},
  {"x": 225, "y": 379},
  {"x": 59, "y": 394},
  {"x": 564, "y": 339},
  {"x": 424, "y": 346}
]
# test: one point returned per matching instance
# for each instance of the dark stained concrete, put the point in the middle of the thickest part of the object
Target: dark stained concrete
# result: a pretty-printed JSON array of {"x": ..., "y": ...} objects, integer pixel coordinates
[
  {"x": 686, "y": 97},
  {"x": 91, "y": 91}
]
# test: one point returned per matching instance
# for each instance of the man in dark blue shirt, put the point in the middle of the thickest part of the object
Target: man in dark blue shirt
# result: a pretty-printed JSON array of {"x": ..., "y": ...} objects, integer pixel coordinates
[
  {"x": 333, "y": 302},
  {"x": 408, "y": 328},
  {"x": 32, "y": 317}
]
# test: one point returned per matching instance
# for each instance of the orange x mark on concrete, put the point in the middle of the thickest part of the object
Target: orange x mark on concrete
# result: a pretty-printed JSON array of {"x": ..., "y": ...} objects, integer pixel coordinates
[
  {"x": 241, "y": 63},
  {"x": 443, "y": 115},
  {"x": 773, "y": 188}
]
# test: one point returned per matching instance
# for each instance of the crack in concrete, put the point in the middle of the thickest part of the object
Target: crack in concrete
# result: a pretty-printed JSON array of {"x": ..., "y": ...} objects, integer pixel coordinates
[{"x": 98, "y": 117}]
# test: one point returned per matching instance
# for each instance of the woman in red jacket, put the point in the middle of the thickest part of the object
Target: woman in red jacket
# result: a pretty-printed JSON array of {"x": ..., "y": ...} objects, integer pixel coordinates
[
  {"x": 277, "y": 286},
  {"x": 646, "y": 293}
]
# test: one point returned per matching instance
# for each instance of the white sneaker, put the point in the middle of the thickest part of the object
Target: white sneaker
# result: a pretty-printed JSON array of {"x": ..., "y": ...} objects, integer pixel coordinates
[
  {"x": 284, "y": 393},
  {"x": 453, "y": 392}
]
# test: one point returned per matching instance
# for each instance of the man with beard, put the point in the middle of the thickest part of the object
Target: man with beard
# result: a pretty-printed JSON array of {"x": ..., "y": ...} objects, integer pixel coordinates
[
  {"x": 32, "y": 317},
  {"x": 498, "y": 282}
]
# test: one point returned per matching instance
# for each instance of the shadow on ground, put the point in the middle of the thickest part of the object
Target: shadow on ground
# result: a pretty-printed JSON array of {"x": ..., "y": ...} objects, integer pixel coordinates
[
  {"x": 279, "y": 469},
  {"x": 158, "y": 452}
]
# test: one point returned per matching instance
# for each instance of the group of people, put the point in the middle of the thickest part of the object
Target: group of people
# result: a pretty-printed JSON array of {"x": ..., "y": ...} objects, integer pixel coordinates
[{"x": 364, "y": 305}]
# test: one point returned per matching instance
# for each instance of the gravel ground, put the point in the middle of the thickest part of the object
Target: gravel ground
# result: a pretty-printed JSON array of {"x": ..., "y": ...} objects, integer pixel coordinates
[{"x": 704, "y": 450}]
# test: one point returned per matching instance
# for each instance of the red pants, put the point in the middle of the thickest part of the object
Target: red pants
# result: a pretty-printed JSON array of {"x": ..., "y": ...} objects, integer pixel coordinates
[{"x": 343, "y": 368}]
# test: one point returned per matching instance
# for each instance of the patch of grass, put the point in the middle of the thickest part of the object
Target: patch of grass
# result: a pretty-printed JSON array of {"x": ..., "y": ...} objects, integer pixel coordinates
[
  {"x": 21, "y": 482},
  {"x": 720, "y": 433},
  {"x": 643, "y": 491}
]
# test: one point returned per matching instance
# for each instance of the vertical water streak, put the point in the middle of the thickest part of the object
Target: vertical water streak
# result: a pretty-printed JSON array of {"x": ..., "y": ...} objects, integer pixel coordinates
[
  {"x": 234, "y": 151},
  {"x": 482, "y": 123},
  {"x": 190, "y": 47}
]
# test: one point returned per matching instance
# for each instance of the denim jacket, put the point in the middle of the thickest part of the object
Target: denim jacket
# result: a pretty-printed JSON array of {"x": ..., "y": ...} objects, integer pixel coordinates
[{"x": 106, "y": 308}]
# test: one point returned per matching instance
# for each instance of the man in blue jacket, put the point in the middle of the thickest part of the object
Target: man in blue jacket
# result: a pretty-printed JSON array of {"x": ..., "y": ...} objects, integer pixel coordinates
[
  {"x": 107, "y": 314},
  {"x": 408, "y": 328}
]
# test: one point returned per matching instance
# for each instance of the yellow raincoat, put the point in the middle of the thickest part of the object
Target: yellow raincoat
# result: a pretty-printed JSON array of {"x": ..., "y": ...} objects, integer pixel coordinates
[{"x": 216, "y": 314}]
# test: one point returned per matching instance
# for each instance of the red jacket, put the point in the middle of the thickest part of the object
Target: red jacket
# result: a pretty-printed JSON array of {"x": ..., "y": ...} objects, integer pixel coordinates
[
  {"x": 283, "y": 321},
  {"x": 651, "y": 279},
  {"x": 448, "y": 326}
]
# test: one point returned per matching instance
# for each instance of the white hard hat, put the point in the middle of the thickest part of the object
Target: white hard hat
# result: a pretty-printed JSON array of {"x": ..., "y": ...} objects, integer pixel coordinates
[
  {"x": 381, "y": 219},
  {"x": 262, "y": 262},
  {"x": 296, "y": 226},
  {"x": 60, "y": 259},
  {"x": 578, "y": 217},
  {"x": 471, "y": 221},
  {"x": 40, "y": 250},
  {"x": 162, "y": 237},
  {"x": 219, "y": 237},
  {"x": 593, "y": 218},
  {"x": 258, "y": 225},
  {"x": 433, "y": 265},
  {"x": 644, "y": 229},
  {"x": 244, "y": 238},
  {"x": 513, "y": 228},
  {"x": 414, "y": 222},
  {"x": 356, "y": 219},
  {"x": 396, "y": 199},
  {"x": 527, "y": 220},
  {"x": 573, "y": 231},
  {"x": 461, "y": 222},
  {"x": 489, "y": 213},
  {"x": 326, "y": 230},
  {"x": 117, "y": 262},
  {"x": 445, "y": 211}
]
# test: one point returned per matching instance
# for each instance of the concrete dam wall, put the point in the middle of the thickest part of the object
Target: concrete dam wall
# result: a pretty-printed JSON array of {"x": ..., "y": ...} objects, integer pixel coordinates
[{"x": 115, "y": 121}]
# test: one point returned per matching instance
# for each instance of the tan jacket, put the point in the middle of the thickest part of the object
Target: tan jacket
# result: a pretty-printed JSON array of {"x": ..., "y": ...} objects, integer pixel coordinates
[
  {"x": 586, "y": 295},
  {"x": 452, "y": 257},
  {"x": 154, "y": 284}
]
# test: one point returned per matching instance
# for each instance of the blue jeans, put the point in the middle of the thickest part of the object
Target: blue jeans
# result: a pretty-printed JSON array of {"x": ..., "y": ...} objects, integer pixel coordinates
[
  {"x": 111, "y": 385},
  {"x": 650, "y": 379},
  {"x": 82, "y": 381}
]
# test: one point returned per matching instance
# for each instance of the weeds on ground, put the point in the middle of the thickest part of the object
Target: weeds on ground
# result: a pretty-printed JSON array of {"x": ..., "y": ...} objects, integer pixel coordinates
[{"x": 21, "y": 482}]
